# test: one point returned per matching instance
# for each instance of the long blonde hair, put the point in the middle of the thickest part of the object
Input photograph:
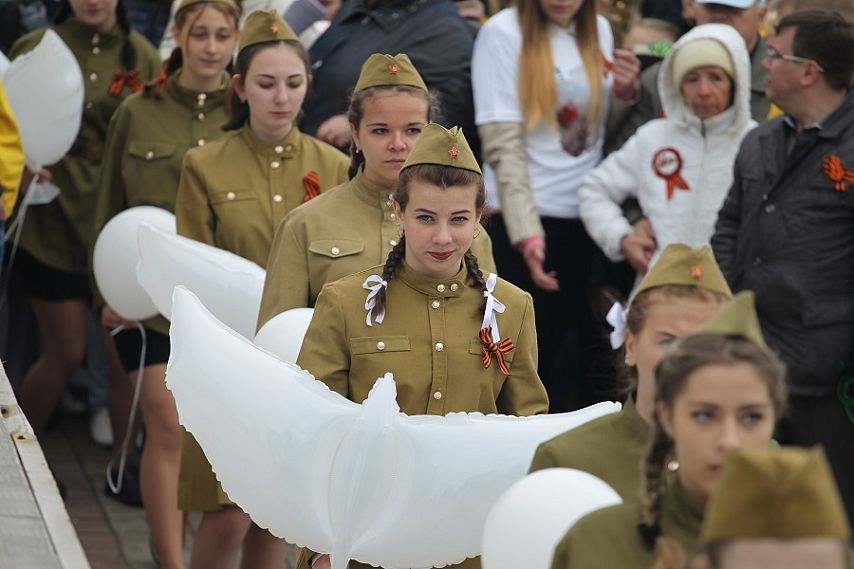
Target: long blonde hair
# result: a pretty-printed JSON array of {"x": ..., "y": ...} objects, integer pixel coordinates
[{"x": 537, "y": 82}]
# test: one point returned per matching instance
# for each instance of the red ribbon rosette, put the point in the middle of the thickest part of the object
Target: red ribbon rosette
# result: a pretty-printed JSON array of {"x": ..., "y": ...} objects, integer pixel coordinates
[
  {"x": 834, "y": 168},
  {"x": 667, "y": 164},
  {"x": 311, "y": 184},
  {"x": 122, "y": 79},
  {"x": 493, "y": 350}
]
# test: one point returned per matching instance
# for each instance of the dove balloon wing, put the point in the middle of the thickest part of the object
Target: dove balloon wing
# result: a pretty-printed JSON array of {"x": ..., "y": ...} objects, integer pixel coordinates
[
  {"x": 269, "y": 430},
  {"x": 450, "y": 471}
]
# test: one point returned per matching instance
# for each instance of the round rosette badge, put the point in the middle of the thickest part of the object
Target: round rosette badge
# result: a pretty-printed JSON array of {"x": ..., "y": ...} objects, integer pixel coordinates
[{"x": 667, "y": 164}]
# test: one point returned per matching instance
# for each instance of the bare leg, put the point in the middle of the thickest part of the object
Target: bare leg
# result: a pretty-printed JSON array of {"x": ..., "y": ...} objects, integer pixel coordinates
[
  {"x": 119, "y": 397},
  {"x": 262, "y": 550},
  {"x": 161, "y": 464},
  {"x": 219, "y": 538},
  {"x": 63, "y": 329}
]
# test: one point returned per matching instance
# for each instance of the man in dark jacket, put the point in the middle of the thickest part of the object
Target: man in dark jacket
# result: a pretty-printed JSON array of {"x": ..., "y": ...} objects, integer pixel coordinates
[{"x": 786, "y": 230}]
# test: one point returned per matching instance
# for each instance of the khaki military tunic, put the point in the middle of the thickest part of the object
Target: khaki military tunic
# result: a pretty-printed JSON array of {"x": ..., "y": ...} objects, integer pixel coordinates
[
  {"x": 429, "y": 341},
  {"x": 146, "y": 144},
  {"x": 610, "y": 448},
  {"x": 61, "y": 234},
  {"x": 347, "y": 229},
  {"x": 610, "y": 537},
  {"x": 232, "y": 194}
]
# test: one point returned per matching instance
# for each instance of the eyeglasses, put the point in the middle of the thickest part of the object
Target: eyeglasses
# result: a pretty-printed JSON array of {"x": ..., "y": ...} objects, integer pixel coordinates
[{"x": 774, "y": 54}]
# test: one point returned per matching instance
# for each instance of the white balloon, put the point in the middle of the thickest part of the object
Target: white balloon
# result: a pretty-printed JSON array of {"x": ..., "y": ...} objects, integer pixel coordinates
[
  {"x": 532, "y": 516},
  {"x": 45, "y": 90},
  {"x": 359, "y": 481},
  {"x": 283, "y": 334},
  {"x": 4, "y": 65},
  {"x": 227, "y": 284},
  {"x": 116, "y": 255}
]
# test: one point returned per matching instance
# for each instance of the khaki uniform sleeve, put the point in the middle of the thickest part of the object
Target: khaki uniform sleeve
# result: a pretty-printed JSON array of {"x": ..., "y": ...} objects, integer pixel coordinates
[
  {"x": 194, "y": 217},
  {"x": 504, "y": 150},
  {"x": 325, "y": 350},
  {"x": 543, "y": 458},
  {"x": 286, "y": 283},
  {"x": 523, "y": 392}
]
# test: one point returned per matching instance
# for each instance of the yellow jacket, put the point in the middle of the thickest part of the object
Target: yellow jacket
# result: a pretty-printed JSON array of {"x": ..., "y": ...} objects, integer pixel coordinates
[{"x": 11, "y": 154}]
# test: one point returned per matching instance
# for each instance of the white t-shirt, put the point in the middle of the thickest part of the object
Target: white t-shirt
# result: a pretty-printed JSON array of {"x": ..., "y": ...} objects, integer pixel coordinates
[{"x": 554, "y": 173}]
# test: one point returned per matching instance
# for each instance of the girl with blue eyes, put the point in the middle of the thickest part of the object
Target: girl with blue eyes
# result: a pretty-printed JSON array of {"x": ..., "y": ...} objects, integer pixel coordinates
[
  {"x": 353, "y": 227},
  {"x": 676, "y": 297},
  {"x": 716, "y": 390}
]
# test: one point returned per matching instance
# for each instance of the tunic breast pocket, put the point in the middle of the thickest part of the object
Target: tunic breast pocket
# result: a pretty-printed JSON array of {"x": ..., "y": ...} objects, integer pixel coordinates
[
  {"x": 371, "y": 357},
  {"x": 234, "y": 204},
  {"x": 493, "y": 371},
  {"x": 336, "y": 248},
  {"x": 151, "y": 166}
]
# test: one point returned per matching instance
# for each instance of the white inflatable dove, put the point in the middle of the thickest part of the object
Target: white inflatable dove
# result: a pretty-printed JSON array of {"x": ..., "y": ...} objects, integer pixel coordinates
[
  {"x": 362, "y": 482},
  {"x": 228, "y": 285}
]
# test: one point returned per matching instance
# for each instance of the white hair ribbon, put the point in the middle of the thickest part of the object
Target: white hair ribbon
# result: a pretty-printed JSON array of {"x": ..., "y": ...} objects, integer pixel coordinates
[
  {"x": 617, "y": 319},
  {"x": 493, "y": 306},
  {"x": 373, "y": 283}
]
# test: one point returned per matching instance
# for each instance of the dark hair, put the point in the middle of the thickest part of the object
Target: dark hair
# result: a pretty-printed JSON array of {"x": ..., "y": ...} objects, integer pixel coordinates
[
  {"x": 671, "y": 375},
  {"x": 638, "y": 309},
  {"x": 845, "y": 8},
  {"x": 443, "y": 177},
  {"x": 128, "y": 55},
  {"x": 238, "y": 111},
  {"x": 155, "y": 87},
  {"x": 826, "y": 38},
  {"x": 357, "y": 110}
]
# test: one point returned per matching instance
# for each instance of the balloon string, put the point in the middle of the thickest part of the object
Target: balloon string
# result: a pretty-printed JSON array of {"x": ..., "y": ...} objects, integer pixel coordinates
[
  {"x": 115, "y": 488},
  {"x": 16, "y": 228}
]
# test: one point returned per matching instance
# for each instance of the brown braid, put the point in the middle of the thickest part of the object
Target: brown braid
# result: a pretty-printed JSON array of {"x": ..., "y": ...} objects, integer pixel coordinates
[
  {"x": 659, "y": 448},
  {"x": 395, "y": 256},
  {"x": 474, "y": 273}
]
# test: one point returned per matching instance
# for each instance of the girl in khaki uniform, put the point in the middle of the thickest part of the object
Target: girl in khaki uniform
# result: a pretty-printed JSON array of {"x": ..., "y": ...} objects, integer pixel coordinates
[
  {"x": 148, "y": 137},
  {"x": 681, "y": 292},
  {"x": 453, "y": 340},
  {"x": 233, "y": 193},
  {"x": 717, "y": 390},
  {"x": 354, "y": 227},
  {"x": 56, "y": 238}
]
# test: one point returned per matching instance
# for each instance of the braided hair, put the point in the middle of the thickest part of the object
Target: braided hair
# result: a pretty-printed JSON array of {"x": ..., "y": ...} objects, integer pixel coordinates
[
  {"x": 128, "y": 55},
  {"x": 671, "y": 376},
  {"x": 356, "y": 112},
  {"x": 444, "y": 177}
]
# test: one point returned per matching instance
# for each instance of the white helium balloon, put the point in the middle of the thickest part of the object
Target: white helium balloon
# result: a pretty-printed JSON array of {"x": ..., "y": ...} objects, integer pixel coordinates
[
  {"x": 45, "y": 90},
  {"x": 116, "y": 255},
  {"x": 532, "y": 516},
  {"x": 283, "y": 334},
  {"x": 4, "y": 65},
  {"x": 227, "y": 284},
  {"x": 359, "y": 481}
]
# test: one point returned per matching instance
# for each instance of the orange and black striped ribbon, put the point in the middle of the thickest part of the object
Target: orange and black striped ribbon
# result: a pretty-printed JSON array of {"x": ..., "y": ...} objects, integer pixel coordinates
[
  {"x": 491, "y": 349},
  {"x": 311, "y": 183},
  {"x": 835, "y": 169},
  {"x": 121, "y": 78}
]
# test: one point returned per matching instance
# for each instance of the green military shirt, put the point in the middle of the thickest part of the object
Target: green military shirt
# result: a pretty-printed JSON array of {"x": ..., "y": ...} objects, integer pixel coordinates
[
  {"x": 146, "y": 143},
  {"x": 429, "y": 341},
  {"x": 610, "y": 538},
  {"x": 235, "y": 191},
  {"x": 61, "y": 234},
  {"x": 347, "y": 229},
  {"x": 610, "y": 448}
]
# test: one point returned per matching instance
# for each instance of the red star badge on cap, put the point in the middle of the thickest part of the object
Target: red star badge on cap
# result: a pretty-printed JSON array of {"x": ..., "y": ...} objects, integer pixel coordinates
[
  {"x": 454, "y": 152},
  {"x": 274, "y": 28},
  {"x": 393, "y": 68},
  {"x": 697, "y": 272}
]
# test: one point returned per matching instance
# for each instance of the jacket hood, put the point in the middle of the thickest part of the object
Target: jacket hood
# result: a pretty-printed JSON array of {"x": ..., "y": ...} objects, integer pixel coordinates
[{"x": 671, "y": 99}]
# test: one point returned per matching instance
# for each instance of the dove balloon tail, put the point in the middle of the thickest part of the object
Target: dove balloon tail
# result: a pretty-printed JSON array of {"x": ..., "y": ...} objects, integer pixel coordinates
[{"x": 339, "y": 560}]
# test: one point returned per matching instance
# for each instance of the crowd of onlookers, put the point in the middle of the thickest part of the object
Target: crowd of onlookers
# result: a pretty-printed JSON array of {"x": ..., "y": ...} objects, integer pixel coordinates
[{"x": 606, "y": 132}]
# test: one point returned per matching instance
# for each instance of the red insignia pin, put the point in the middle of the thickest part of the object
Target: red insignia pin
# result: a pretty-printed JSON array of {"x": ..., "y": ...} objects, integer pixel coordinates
[
  {"x": 394, "y": 68},
  {"x": 834, "y": 168},
  {"x": 274, "y": 28},
  {"x": 697, "y": 272},
  {"x": 454, "y": 152},
  {"x": 667, "y": 164}
]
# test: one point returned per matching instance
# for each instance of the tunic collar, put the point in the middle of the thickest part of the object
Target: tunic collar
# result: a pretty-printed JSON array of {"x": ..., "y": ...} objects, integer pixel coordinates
[
  {"x": 197, "y": 101},
  {"x": 81, "y": 30},
  {"x": 443, "y": 288},
  {"x": 288, "y": 147},
  {"x": 372, "y": 194}
]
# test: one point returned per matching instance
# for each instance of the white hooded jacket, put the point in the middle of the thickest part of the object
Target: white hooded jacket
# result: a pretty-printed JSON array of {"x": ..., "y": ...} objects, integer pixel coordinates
[{"x": 669, "y": 153}]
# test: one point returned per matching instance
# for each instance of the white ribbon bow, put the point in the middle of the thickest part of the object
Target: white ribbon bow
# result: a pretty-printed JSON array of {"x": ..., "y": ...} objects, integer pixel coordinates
[
  {"x": 617, "y": 319},
  {"x": 373, "y": 283},
  {"x": 493, "y": 306}
]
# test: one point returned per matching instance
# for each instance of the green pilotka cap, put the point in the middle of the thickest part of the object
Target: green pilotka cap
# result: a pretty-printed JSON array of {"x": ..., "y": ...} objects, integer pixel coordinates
[
  {"x": 775, "y": 493},
  {"x": 438, "y": 145},
  {"x": 233, "y": 4},
  {"x": 382, "y": 70},
  {"x": 680, "y": 264},
  {"x": 737, "y": 318},
  {"x": 262, "y": 27}
]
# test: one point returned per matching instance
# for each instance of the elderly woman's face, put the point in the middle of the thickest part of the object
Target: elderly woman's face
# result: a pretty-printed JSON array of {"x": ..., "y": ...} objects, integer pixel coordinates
[{"x": 707, "y": 91}]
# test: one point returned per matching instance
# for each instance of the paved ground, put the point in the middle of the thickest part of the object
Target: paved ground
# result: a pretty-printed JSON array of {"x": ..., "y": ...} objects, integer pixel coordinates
[{"x": 114, "y": 536}]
